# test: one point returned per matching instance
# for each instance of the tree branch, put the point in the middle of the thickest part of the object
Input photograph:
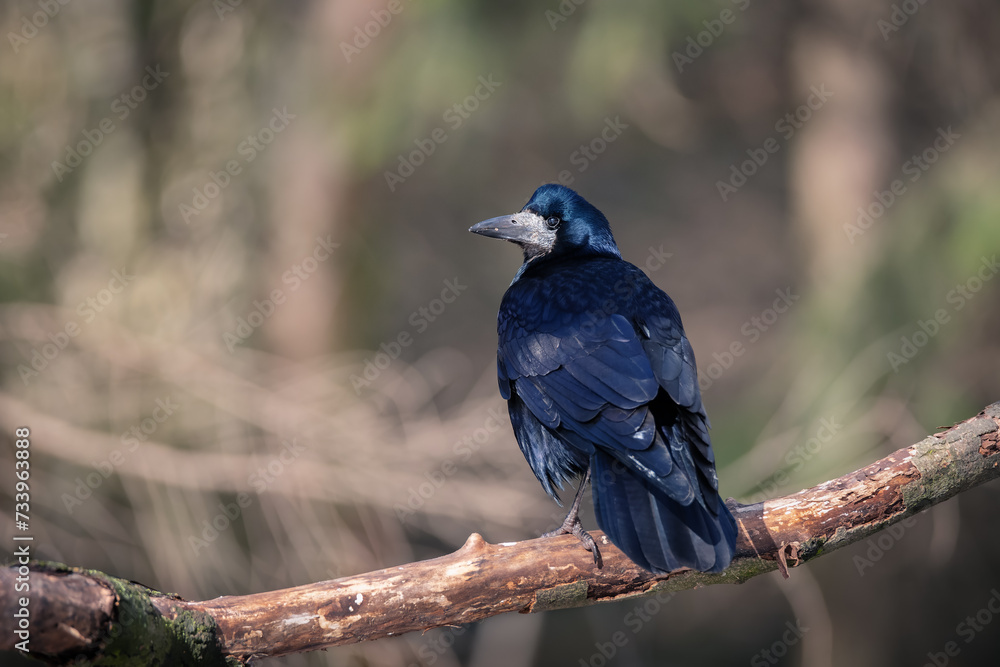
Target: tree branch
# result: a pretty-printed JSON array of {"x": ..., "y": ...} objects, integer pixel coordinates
[{"x": 74, "y": 611}]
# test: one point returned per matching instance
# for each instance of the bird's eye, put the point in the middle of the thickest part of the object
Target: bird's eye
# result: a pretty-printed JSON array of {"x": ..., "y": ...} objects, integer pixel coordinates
[{"x": 552, "y": 222}]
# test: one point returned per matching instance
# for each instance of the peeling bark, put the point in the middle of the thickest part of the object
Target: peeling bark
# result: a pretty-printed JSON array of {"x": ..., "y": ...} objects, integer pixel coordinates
[{"x": 71, "y": 607}]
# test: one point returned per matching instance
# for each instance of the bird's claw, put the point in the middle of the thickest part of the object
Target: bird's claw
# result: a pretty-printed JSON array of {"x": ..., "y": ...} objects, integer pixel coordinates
[
  {"x": 575, "y": 528},
  {"x": 734, "y": 504}
]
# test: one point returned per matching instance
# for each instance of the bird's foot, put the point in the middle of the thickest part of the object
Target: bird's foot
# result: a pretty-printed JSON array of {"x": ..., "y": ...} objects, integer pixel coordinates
[
  {"x": 734, "y": 504},
  {"x": 572, "y": 526}
]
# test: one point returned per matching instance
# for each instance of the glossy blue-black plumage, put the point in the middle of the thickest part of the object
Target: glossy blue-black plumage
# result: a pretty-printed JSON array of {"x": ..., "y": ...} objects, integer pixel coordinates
[{"x": 598, "y": 373}]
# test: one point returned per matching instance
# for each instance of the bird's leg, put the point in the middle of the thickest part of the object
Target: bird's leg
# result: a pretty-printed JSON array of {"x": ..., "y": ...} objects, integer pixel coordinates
[{"x": 571, "y": 524}]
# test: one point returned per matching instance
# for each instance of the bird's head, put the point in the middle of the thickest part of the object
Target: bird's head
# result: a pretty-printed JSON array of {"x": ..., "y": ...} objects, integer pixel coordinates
[{"x": 555, "y": 221}]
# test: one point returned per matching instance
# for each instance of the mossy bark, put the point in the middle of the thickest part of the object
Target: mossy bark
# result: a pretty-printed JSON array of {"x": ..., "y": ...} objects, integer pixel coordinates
[{"x": 124, "y": 621}]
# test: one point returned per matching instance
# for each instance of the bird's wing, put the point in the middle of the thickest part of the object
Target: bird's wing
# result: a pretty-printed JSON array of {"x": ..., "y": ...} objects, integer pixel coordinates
[
  {"x": 672, "y": 360},
  {"x": 590, "y": 379},
  {"x": 671, "y": 357}
]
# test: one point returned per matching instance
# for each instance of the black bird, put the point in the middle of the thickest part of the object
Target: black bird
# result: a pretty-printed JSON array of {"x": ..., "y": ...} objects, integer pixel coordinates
[{"x": 600, "y": 383}]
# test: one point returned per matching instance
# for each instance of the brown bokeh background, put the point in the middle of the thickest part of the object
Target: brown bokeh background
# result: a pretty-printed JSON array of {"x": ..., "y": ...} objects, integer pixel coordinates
[{"x": 218, "y": 308}]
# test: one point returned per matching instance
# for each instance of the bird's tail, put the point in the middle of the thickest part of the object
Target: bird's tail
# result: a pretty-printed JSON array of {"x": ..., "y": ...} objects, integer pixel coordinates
[{"x": 656, "y": 532}]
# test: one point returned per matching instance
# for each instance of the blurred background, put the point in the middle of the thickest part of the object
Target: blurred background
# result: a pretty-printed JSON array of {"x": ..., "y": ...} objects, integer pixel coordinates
[{"x": 254, "y": 342}]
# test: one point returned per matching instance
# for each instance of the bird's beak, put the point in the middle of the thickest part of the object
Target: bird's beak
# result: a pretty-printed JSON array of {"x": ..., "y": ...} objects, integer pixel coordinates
[{"x": 525, "y": 227}]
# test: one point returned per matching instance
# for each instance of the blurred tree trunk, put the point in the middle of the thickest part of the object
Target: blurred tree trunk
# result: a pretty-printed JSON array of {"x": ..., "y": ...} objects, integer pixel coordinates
[
  {"x": 842, "y": 153},
  {"x": 839, "y": 159}
]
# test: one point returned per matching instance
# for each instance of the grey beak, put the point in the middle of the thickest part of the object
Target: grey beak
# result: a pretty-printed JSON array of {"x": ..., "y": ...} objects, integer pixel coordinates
[{"x": 522, "y": 227}]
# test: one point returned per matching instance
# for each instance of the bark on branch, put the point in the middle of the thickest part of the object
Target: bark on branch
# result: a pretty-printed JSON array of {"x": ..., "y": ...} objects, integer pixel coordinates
[{"x": 76, "y": 612}]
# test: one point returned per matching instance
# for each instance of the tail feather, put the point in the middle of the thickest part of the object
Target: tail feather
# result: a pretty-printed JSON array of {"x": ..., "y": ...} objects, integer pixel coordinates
[
  {"x": 612, "y": 507},
  {"x": 654, "y": 531}
]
